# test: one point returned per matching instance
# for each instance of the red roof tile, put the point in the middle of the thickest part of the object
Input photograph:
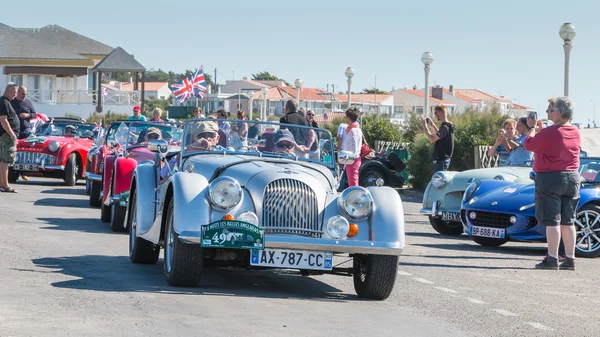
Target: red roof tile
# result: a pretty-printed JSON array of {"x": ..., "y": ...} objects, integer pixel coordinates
[{"x": 422, "y": 94}]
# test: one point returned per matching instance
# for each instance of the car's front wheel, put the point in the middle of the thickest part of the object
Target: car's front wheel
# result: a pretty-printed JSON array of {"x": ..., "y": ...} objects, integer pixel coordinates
[
  {"x": 117, "y": 217},
  {"x": 374, "y": 275},
  {"x": 446, "y": 227},
  {"x": 12, "y": 176},
  {"x": 369, "y": 177},
  {"x": 71, "y": 170},
  {"x": 95, "y": 189},
  {"x": 489, "y": 242},
  {"x": 140, "y": 250},
  {"x": 105, "y": 211},
  {"x": 587, "y": 225},
  {"x": 183, "y": 263}
]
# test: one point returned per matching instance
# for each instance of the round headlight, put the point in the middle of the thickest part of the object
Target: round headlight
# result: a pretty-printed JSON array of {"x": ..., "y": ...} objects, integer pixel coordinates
[
  {"x": 53, "y": 146},
  {"x": 473, "y": 187},
  {"x": 472, "y": 215},
  {"x": 225, "y": 192},
  {"x": 337, "y": 227},
  {"x": 249, "y": 217},
  {"x": 512, "y": 219},
  {"x": 438, "y": 180},
  {"x": 356, "y": 202}
]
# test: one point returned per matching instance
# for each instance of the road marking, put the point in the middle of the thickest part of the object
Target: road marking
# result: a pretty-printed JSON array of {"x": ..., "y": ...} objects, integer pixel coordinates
[
  {"x": 403, "y": 273},
  {"x": 422, "y": 280},
  {"x": 476, "y": 301},
  {"x": 505, "y": 312},
  {"x": 446, "y": 290},
  {"x": 540, "y": 326}
]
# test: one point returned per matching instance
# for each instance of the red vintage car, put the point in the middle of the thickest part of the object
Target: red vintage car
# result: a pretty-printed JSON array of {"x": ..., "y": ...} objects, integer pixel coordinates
[
  {"x": 119, "y": 166},
  {"x": 59, "y": 149},
  {"x": 106, "y": 146}
]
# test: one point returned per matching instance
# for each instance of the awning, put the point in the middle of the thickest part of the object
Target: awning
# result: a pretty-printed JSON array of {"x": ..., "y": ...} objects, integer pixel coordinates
[{"x": 57, "y": 71}]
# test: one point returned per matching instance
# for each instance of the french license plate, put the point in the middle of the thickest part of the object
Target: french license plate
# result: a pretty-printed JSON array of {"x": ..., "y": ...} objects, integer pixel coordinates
[
  {"x": 25, "y": 167},
  {"x": 486, "y": 232},
  {"x": 451, "y": 216},
  {"x": 294, "y": 259}
]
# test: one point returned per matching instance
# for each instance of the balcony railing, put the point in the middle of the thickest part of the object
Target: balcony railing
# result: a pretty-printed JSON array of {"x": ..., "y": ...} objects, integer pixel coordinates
[{"x": 41, "y": 96}]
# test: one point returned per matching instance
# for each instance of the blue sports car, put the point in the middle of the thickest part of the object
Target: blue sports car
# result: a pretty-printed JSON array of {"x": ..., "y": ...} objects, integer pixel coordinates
[{"x": 494, "y": 212}]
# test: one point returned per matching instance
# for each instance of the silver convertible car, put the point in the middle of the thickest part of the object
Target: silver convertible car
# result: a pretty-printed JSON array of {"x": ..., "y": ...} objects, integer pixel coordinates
[{"x": 269, "y": 202}]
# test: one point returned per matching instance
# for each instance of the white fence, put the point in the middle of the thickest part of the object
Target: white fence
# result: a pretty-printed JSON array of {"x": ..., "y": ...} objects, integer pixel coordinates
[{"x": 41, "y": 96}]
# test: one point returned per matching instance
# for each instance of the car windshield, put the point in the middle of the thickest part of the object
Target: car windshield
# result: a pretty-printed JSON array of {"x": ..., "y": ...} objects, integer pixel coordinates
[
  {"x": 67, "y": 129},
  {"x": 588, "y": 169},
  {"x": 261, "y": 139},
  {"x": 520, "y": 157},
  {"x": 141, "y": 133}
]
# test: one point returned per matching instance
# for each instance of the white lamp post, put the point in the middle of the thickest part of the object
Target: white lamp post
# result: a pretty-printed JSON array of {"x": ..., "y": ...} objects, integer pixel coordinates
[
  {"x": 349, "y": 74},
  {"x": 427, "y": 60},
  {"x": 250, "y": 98},
  {"x": 567, "y": 33},
  {"x": 298, "y": 84},
  {"x": 264, "y": 91}
]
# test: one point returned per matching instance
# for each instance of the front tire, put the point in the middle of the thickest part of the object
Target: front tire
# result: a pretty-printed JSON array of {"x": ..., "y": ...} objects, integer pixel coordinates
[
  {"x": 489, "y": 242},
  {"x": 105, "y": 213},
  {"x": 183, "y": 263},
  {"x": 95, "y": 189},
  {"x": 375, "y": 275},
  {"x": 587, "y": 227},
  {"x": 12, "y": 176},
  {"x": 117, "y": 217},
  {"x": 71, "y": 170},
  {"x": 140, "y": 250},
  {"x": 446, "y": 228},
  {"x": 88, "y": 186},
  {"x": 369, "y": 177}
]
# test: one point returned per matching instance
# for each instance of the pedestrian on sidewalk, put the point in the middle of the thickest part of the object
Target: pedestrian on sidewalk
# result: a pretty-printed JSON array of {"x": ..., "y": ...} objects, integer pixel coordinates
[
  {"x": 26, "y": 112},
  {"x": 353, "y": 143},
  {"x": 10, "y": 125},
  {"x": 443, "y": 137},
  {"x": 556, "y": 168}
]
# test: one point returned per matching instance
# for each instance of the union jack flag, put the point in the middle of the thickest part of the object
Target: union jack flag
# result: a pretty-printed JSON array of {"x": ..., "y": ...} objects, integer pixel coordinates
[
  {"x": 183, "y": 89},
  {"x": 199, "y": 83}
]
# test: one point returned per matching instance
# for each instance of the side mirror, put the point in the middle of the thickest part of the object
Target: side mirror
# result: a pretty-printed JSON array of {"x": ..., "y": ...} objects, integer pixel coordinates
[
  {"x": 346, "y": 158},
  {"x": 532, "y": 175},
  {"x": 159, "y": 146}
]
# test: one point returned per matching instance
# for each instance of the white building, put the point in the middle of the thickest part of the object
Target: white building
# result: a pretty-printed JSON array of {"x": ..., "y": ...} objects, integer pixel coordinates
[{"x": 407, "y": 100}]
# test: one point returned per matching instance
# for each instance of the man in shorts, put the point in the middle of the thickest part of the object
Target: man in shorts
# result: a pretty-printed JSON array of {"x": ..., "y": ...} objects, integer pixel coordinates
[{"x": 9, "y": 129}]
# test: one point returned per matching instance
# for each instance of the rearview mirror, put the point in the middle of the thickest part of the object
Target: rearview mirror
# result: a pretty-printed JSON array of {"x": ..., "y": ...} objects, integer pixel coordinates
[
  {"x": 346, "y": 158},
  {"x": 159, "y": 146}
]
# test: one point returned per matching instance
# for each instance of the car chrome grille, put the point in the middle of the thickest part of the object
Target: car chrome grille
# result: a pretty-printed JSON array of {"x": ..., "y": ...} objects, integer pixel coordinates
[
  {"x": 34, "y": 158},
  {"x": 291, "y": 207},
  {"x": 490, "y": 219}
]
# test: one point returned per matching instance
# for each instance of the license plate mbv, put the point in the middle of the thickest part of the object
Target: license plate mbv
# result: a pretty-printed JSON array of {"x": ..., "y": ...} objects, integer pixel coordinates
[
  {"x": 450, "y": 216},
  {"x": 293, "y": 259},
  {"x": 486, "y": 232}
]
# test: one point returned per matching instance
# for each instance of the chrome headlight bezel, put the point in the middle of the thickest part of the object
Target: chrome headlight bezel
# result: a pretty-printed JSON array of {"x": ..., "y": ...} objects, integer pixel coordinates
[
  {"x": 53, "y": 146},
  {"x": 439, "y": 180},
  {"x": 471, "y": 189},
  {"x": 350, "y": 197},
  {"x": 235, "y": 193}
]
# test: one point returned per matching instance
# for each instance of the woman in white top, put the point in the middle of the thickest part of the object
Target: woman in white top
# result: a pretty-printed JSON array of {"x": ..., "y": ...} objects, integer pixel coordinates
[{"x": 352, "y": 143}]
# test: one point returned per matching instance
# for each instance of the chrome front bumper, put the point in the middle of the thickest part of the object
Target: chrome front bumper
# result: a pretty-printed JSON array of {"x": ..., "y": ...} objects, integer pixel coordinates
[
  {"x": 433, "y": 211},
  {"x": 92, "y": 176},
  {"x": 315, "y": 244},
  {"x": 42, "y": 166}
]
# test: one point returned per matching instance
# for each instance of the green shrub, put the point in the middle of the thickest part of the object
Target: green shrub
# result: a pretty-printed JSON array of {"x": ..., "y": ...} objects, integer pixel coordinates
[
  {"x": 376, "y": 127},
  {"x": 472, "y": 128}
]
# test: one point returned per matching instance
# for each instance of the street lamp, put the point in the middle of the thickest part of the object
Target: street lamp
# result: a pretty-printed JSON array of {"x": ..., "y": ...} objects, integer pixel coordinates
[
  {"x": 264, "y": 91},
  {"x": 594, "y": 100},
  {"x": 250, "y": 98},
  {"x": 349, "y": 73},
  {"x": 567, "y": 33},
  {"x": 427, "y": 59},
  {"x": 298, "y": 84}
]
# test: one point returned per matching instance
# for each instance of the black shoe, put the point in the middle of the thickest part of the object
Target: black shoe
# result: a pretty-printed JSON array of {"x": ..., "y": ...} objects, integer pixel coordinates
[
  {"x": 568, "y": 264},
  {"x": 549, "y": 262}
]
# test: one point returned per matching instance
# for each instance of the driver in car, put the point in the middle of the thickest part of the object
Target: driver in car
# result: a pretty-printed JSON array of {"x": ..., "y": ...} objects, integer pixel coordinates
[
  {"x": 285, "y": 142},
  {"x": 70, "y": 130},
  {"x": 206, "y": 137},
  {"x": 152, "y": 134}
]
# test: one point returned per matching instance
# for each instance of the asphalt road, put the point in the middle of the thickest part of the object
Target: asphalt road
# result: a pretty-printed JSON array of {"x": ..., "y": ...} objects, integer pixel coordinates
[{"x": 64, "y": 273}]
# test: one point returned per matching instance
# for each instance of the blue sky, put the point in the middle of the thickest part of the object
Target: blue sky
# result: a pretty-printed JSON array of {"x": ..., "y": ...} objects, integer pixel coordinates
[{"x": 504, "y": 47}]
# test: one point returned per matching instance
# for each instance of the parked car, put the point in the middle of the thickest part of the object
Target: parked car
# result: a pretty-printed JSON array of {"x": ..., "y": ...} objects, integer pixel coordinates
[
  {"x": 105, "y": 146},
  {"x": 385, "y": 165},
  {"x": 495, "y": 212},
  {"x": 443, "y": 195},
  {"x": 118, "y": 173},
  {"x": 58, "y": 149},
  {"x": 289, "y": 206}
]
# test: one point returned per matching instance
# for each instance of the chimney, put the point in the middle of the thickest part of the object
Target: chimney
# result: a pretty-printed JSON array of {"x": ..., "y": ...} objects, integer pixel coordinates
[
  {"x": 451, "y": 89},
  {"x": 437, "y": 92},
  {"x": 414, "y": 87}
]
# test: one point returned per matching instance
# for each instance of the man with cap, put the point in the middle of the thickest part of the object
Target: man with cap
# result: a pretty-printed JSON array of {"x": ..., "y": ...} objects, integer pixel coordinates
[
  {"x": 206, "y": 137},
  {"x": 137, "y": 114},
  {"x": 152, "y": 134},
  {"x": 284, "y": 142}
]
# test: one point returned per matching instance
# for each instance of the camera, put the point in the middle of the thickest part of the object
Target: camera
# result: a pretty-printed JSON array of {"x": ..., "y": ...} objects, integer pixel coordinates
[{"x": 533, "y": 115}]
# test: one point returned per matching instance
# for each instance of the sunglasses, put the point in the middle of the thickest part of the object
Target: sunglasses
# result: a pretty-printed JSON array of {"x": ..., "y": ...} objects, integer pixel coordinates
[
  {"x": 207, "y": 135},
  {"x": 285, "y": 145},
  {"x": 311, "y": 115}
]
